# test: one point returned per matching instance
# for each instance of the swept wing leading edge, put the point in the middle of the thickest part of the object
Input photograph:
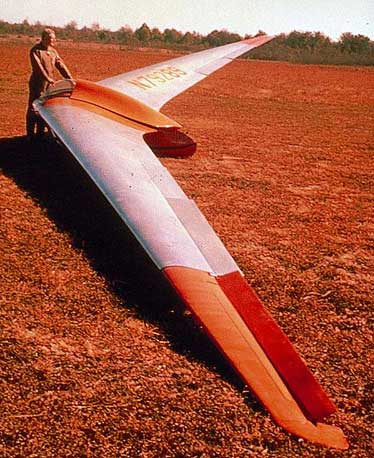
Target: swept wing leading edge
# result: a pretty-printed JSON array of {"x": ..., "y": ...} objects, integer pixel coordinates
[
  {"x": 157, "y": 84},
  {"x": 103, "y": 126}
]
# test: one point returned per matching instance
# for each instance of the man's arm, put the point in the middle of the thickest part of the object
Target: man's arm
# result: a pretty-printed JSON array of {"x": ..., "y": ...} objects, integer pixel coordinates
[
  {"x": 62, "y": 68},
  {"x": 37, "y": 65}
]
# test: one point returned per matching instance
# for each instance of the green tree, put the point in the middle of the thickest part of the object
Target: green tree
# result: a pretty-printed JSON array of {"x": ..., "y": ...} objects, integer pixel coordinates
[
  {"x": 156, "y": 34},
  {"x": 221, "y": 37},
  {"x": 172, "y": 36},
  {"x": 125, "y": 35},
  {"x": 190, "y": 39},
  {"x": 25, "y": 28},
  {"x": 5, "y": 27},
  {"x": 104, "y": 35},
  {"x": 350, "y": 43},
  {"x": 143, "y": 33},
  {"x": 70, "y": 30}
]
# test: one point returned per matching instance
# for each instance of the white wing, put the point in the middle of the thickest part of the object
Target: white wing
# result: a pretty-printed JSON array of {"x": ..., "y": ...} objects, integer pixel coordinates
[
  {"x": 157, "y": 84},
  {"x": 168, "y": 224}
]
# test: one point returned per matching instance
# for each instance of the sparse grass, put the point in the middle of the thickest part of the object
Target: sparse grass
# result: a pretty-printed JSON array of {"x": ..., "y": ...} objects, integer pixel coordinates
[{"x": 94, "y": 362}]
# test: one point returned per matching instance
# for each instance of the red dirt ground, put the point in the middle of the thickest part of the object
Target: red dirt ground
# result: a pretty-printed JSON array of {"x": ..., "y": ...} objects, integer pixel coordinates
[{"x": 92, "y": 365}]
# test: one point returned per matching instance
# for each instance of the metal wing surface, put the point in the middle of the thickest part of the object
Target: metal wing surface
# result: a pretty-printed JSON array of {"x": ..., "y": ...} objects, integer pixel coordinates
[
  {"x": 157, "y": 84},
  {"x": 168, "y": 225},
  {"x": 186, "y": 250}
]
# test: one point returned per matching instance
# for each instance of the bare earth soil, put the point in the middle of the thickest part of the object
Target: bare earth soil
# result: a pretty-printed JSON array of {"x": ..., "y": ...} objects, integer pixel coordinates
[{"x": 94, "y": 361}]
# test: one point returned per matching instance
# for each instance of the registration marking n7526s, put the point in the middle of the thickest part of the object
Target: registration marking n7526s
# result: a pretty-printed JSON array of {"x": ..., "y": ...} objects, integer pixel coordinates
[{"x": 158, "y": 77}]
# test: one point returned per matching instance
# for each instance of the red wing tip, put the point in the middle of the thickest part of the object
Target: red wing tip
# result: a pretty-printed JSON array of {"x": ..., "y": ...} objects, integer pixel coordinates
[
  {"x": 209, "y": 301},
  {"x": 331, "y": 436},
  {"x": 319, "y": 433},
  {"x": 303, "y": 386}
]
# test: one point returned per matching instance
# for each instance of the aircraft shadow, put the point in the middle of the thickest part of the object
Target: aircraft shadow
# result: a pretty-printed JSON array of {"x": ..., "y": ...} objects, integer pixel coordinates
[{"x": 48, "y": 173}]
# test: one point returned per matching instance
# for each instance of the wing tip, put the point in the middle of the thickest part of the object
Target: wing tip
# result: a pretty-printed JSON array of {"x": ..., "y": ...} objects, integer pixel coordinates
[
  {"x": 259, "y": 40},
  {"x": 203, "y": 295}
]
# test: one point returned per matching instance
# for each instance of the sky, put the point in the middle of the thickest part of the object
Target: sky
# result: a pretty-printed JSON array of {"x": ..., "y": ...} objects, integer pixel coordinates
[{"x": 331, "y": 17}]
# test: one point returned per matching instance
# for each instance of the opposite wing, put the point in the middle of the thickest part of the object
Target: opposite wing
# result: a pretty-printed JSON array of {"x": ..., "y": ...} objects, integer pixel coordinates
[{"x": 159, "y": 83}]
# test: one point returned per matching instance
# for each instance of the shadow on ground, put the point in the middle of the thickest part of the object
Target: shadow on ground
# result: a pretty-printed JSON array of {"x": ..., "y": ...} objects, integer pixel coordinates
[{"x": 55, "y": 181}]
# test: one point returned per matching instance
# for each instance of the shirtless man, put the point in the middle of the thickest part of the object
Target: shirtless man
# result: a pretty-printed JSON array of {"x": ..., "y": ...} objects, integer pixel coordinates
[{"x": 44, "y": 59}]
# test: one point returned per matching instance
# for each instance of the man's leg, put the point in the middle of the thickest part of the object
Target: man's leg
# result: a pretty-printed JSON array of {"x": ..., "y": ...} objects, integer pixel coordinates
[
  {"x": 40, "y": 126},
  {"x": 31, "y": 121},
  {"x": 34, "y": 124}
]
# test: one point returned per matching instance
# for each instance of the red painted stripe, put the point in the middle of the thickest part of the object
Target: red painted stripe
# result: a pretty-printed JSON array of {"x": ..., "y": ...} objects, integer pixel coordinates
[{"x": 298, "y": 378}]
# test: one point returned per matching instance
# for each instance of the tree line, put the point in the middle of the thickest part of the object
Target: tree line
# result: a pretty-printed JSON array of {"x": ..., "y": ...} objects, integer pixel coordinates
[{"x": 301, "y": 47}]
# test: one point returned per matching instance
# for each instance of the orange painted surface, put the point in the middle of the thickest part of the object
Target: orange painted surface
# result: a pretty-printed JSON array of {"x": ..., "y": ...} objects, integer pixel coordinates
[
  {"x": 298, "y": 378},
  {"x": 101, "y": 111},
  {"x": 210, "y": 306},
  {"x": 121, "y": 104}
]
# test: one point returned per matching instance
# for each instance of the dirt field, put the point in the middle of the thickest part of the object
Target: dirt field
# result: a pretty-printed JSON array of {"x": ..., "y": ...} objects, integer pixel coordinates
[{"x": 93, "y": 364}]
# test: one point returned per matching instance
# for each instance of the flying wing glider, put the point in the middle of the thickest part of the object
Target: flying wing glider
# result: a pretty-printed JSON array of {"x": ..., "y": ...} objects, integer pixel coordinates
[{"x": 111, "y": 128}]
